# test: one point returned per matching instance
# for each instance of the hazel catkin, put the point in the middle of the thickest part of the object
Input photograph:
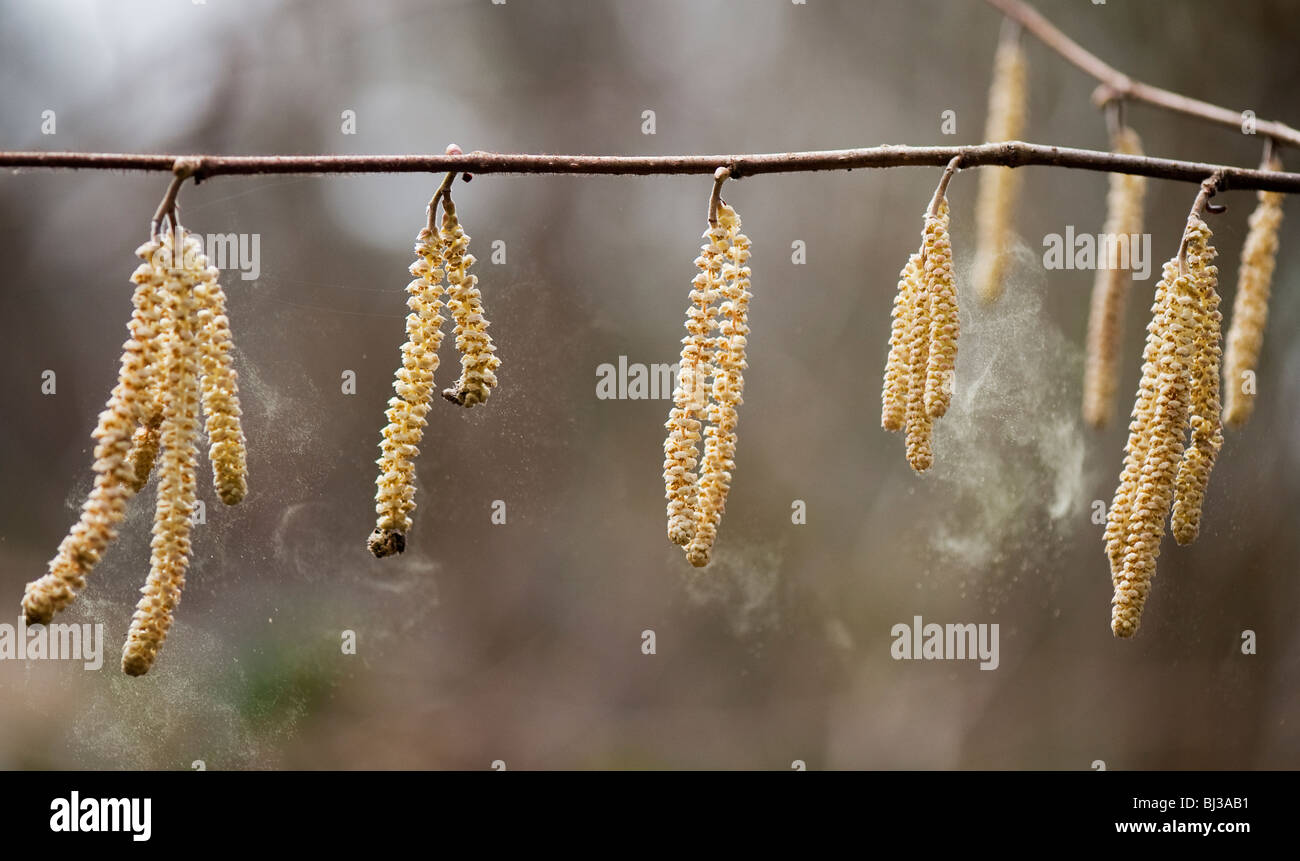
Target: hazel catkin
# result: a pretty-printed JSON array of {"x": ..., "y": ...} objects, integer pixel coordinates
[
  {"x": 1111, "y": 286},
  {"x": 220, "y": 387},
  {"x": 728, "y": 387},
  {"x": 395, "y": 497},
  {"x": 1250, "y": 307},
  {"x": 115, "y": 474},
  {"x": 478, "y": 364},
  {"x": 999, "y": 186},
  {"x": 1206, "y": 425},
  {"x": 176, "y": 485}
]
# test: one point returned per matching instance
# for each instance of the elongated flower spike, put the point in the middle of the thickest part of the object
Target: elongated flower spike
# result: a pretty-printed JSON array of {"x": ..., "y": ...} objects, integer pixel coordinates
[
  {"x": 1111, "y": 286},
  {"x": 1175, "y": 392},
  {"x": 478, "y": 364},
  {"x": 710, "y": 384},
  {"x": 176, "y": 492},
  {"x": 999, "y": 187},
  {"x": 1206, "y": 418},
  {"x": 220, "y": 388},
  {"x": 395, "y": 497},
  {"x": 728, "y": 386},
  {"x": 115, "y": 473},
  {"x": 920, "y": 369},
  {"x": 1250, "y": 307}
]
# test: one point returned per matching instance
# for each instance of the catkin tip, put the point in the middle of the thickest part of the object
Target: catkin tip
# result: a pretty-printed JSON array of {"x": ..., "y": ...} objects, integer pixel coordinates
[{"x": 386, "y": 542}]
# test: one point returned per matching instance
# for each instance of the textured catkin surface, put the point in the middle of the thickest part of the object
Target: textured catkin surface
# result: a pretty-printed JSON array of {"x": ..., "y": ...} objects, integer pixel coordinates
[
  {"x": 176, "y": 492},
  {"x": 1250, "y": 307},
  {"x": 1206, "y": 424},
  {"x": 727, "y": 389},
  {"x": 399, "y": 446},
  {"x": 999, "y": 187},
  {"x": 898, "y": 373},
  {"x": 1124, "y": 202},
  {"x": 220, "y": 388},
  {"x": 945, "y": 323},
  {"x": 116, "y": 475},
  {"x": 465, "y": 302}
]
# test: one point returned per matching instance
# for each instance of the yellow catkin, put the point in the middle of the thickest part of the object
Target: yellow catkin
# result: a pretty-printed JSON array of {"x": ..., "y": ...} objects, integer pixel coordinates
[
  {"x": 945, "y": 325},
  {"x": 1135, "y": 451},
  {"x": 898, "y": 369},
  {"x": 395, "y": 497},
  {"x": 920, "y": 454},
  {"x": 478, "y": 364},
  {"x": 728, "y": 386},
  {"x": 1250, "y": 308},
  {"x": 1206, "y": 424},
  {"x": 1111, "y": 287},
  {"x": 220, "y": 387},
  {"x": 1155, "y": 483},
  {"x": 115, "y": 473},
  {"x": 691, "y": 397},
  {"x": 176, "y": 483},
  {"x": 999, "y": 186}
]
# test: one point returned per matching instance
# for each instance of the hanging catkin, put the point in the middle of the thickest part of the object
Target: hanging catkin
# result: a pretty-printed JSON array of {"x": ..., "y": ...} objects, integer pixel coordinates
[
  {"x": 691, "y": 397},
  {"x": 1135, "y": 451},
  {"x": 1250, "y": 308},
  {"x": 395, "y": 497},
  {"x": 220, "y": 388},
  {"x": 944, "y": 323},
  {"x": 999, "y": 186},
  {"x": 923, "y": 337},
  {"x": 898, "y": 367},
  {"x": 465, "y": 303},
  {"x": 1206, "y": 424},
  {"x": 728, "y": 386},
  {"x": 1111, "y": 286},
  {"x": 1155, "y": 482},
  {"x": 115, "y": 474},
  {"x": 176, "y": 484}
]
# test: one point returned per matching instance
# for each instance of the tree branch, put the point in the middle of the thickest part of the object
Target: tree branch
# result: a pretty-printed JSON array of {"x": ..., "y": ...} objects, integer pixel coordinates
[
  {"x": 1008, "y": 154},
  {"x": 1115, "y": 84}
]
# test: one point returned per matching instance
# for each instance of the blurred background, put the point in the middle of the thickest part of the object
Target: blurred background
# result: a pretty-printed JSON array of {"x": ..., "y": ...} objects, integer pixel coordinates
[{"x": 521, "y": 641}]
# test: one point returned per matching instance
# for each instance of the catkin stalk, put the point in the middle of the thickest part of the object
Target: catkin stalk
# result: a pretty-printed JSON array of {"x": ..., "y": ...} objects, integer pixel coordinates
[
  {"x": 115, "y": 473},
  {"x": 1111, "y": 286},
  {"x": 999, "y": 186},
  {"x": 1250, "y": 308}
]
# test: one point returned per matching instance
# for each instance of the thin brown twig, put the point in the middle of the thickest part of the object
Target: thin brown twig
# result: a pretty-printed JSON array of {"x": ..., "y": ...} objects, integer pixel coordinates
[
  {"x": 1117, "y": 85},
  {"x": 1006, "y": 154},
  {"x": 941, "y": 190}
]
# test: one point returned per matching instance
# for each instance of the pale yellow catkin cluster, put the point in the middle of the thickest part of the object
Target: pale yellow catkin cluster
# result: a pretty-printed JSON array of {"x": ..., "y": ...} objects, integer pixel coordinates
[
  {"x": 177, "y": 356},
  {"x": 922, "y": 358},
  {"x": 1111, "y": 287},
  {"x": 999, "y": 186},
  {"x": 183, "y": 336},
  {"x": 1250, "y": 308},
  {"x": 478, "y": 364},
  {"x": 1174, "y": 393},
  {"x": 395, "y": 497},
  {"x": 710, "y": 387}
]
